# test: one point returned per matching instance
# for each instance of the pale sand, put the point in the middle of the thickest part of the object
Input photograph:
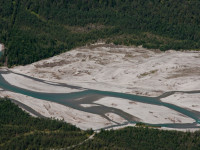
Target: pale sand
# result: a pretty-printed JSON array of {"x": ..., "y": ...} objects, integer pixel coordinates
[
  {"x": 116, "y": 118},
  {"x": 81, "y": 119},
  {"x": 88, "y": 105},
  {"x": 122, "y": 126},
  {"x": 182, "y": 130},
  {"x": 146, "y": 112},
  {"x": 190, "y": 101},
  {"x": 134, "y": 70},
  {"x": 162, "y": 128},
  {"x": 32, "y": 85}
]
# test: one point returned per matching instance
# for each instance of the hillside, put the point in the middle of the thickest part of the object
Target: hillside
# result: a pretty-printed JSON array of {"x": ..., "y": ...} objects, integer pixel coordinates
[
  {"x": 36, "y": 29},
  {"x": 18, "y": 130}
]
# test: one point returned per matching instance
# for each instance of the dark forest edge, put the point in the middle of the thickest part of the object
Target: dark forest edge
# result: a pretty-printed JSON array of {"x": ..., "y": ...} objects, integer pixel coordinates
[
  {"x": 36, "y": 29},
  {"x": 18, "y": 130}
]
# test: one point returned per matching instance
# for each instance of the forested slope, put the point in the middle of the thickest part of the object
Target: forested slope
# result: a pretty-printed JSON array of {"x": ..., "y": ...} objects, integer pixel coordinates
[
  {"x": 20, "y": 131},
  {"x": 35, "y": 29},
  {"x": 143, "y": 139}
]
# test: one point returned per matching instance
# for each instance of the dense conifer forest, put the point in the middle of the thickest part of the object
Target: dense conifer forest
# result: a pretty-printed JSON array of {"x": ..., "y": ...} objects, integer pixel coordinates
[
  {"x": 35, "y": 29},
  {"x": 18, "y": 130},
  {"x": 138, "y": 138}
]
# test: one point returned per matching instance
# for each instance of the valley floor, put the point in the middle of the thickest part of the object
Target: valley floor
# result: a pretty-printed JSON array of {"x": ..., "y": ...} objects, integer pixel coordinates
[{"x": 132, "y": 70}]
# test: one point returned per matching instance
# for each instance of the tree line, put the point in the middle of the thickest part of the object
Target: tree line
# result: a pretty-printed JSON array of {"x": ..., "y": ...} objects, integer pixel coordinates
[{"x": 36, "y": 29}]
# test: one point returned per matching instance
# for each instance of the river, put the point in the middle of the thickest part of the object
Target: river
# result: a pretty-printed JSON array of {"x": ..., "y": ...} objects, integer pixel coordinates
[{"x": 88, "y": 96}]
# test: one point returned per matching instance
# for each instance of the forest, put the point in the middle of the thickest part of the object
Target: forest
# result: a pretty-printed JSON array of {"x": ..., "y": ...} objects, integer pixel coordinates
[
  {"x": 19, "y": 130},
  {"x": 32, "y": 30}
]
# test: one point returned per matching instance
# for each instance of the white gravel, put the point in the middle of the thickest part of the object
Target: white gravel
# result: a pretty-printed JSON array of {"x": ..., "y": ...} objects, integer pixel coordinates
[
  {"x": 115, "y": 117},
  {"x": 146, "y": 112},
  {"x": 189, "y": 101},
  {"x": 33, "y": 85},
  {"x": 81, "y": 119},
  {"x": 134, "y": 70}
]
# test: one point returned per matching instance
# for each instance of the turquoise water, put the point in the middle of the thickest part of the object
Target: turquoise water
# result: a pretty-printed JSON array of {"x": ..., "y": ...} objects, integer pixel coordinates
[{"x": 68, "y": 99}]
